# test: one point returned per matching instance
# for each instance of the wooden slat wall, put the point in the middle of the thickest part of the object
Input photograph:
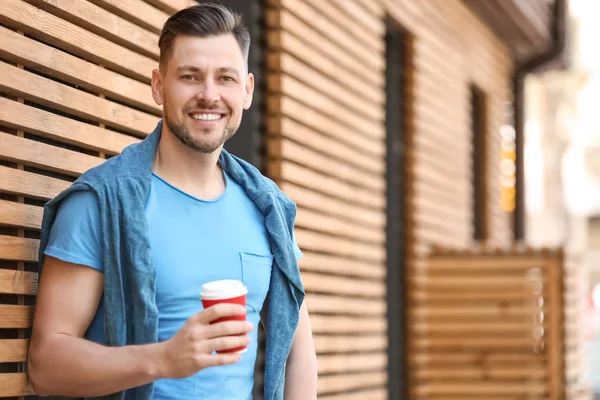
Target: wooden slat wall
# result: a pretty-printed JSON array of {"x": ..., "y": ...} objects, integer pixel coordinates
[
  {"x": 476, "y": 321},
  {"x": 74, "y": 90},
  {"x": 326, "y": 149}
]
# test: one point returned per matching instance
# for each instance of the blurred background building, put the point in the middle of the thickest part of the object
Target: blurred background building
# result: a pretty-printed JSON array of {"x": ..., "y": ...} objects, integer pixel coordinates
[{"x": 431, "y": 147}]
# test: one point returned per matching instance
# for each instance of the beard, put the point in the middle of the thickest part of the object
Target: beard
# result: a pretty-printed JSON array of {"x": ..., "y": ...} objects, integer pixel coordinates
[{"x": 201, "y": 142}]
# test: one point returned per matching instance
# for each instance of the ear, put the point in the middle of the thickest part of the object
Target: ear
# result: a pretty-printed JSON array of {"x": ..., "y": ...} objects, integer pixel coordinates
[
  {"x": 157, "y": 87},
  {"x": 249, "y": 91}
]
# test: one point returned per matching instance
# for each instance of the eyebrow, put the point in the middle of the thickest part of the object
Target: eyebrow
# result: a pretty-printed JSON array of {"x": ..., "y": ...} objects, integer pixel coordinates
[{"x": 191, "y": 68}]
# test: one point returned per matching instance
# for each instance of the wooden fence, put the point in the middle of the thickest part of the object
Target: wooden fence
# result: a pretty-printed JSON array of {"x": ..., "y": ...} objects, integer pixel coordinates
[{"x": 488, "y": 325}]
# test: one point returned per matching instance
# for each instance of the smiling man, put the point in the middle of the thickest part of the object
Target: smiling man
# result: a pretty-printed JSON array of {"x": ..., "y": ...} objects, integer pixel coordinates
[{"x": 126, "y": 249}]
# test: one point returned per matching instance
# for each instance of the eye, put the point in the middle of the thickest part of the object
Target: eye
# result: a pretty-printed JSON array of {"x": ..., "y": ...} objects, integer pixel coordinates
[
  {"x": 188, "y": 77},
  {"x": 228, "y": 78}
]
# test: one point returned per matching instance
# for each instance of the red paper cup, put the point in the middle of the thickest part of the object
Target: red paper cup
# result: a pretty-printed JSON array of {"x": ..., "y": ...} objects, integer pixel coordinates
[{"x": 225, "y": 291}]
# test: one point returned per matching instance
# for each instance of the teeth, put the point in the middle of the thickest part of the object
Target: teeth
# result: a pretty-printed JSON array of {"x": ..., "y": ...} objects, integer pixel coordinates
[{"x": 206, "y": 117}]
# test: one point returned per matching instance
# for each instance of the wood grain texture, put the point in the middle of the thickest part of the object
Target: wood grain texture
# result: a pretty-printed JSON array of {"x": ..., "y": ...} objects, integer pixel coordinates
[
  {"x": 53, "y": 94},
  {"x": 65, "y": 35}
]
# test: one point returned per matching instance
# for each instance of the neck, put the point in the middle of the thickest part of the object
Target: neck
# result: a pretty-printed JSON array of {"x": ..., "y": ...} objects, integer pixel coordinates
[{"x": 188, "y": 170}]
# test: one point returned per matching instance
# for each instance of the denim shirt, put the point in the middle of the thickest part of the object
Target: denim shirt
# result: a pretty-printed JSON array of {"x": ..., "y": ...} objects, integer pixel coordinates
[{"x": 122, "y": 185}]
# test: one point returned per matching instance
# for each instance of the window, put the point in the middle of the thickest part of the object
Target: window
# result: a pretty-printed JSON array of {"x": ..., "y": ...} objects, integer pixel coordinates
[{"x": 479, "y": 173}]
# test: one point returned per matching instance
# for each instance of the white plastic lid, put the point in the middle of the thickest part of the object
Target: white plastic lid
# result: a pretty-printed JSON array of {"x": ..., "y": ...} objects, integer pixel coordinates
[{"x": 223, "y": 289}]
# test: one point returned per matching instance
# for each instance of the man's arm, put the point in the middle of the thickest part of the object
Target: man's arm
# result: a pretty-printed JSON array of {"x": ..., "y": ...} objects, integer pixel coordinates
[
  {"x": 62, "y": 363},
  {"x": 301, "y": 370}
]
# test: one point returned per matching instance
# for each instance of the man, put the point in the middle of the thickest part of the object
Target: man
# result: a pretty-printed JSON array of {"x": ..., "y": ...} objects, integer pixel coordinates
[{"x": 125, "y": 250}]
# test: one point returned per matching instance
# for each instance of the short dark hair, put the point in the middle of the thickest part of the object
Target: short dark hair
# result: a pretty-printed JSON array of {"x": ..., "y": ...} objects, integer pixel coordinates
[{"x": 203, "y": 20}]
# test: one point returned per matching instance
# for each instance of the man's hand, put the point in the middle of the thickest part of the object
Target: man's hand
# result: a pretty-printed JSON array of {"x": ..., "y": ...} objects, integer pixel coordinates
[
  {"x": 192, "y": 347},
  {"x": 63, "y": 363}
]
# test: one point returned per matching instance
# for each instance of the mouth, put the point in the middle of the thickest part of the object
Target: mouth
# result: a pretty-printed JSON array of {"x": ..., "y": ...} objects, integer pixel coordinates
[{"x": 206, "y": 117}]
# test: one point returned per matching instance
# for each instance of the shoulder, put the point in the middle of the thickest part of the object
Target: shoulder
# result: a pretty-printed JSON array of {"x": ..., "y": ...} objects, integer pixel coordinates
[
  {"x": 80, "y": 200},
  {"x": 119, "y": 166}
]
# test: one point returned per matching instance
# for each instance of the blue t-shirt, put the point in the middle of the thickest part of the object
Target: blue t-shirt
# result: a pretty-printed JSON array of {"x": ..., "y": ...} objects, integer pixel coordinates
[{"x": 193, "y": 242}]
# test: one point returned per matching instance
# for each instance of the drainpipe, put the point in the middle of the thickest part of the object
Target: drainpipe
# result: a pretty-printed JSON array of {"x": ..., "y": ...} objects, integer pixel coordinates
[{"x": 559, "y": 21}]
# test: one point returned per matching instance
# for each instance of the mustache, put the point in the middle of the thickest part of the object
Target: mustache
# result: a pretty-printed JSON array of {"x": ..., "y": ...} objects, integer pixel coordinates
[{"x": 221, "y": 108}]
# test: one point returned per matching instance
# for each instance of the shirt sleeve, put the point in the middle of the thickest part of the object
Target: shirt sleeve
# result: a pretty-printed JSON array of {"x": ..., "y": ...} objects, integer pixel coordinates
[{"x": 75, "y": 234}]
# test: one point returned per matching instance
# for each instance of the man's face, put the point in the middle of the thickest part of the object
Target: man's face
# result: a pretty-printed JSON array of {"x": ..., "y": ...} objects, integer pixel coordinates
[{"x": 204, "y": 90}]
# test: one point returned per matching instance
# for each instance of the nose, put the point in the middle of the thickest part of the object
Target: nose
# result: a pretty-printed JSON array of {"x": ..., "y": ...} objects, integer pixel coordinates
[{"x": 207, "y": 92}]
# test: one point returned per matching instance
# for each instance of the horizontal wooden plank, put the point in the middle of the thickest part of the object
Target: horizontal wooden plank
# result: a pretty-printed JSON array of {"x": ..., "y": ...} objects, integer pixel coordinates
[
  {"x": 368, "y": 105},
  {"x": 371, "y": 394},
  {"x": 347, "y": 344},
  {"x": 319, "y": 303},
  {"x": 53, "y": 62},
  {"x": 172, "y": 6},
  {"x": 20, "y": 215},
  {"x": 284, "y": 127},
  {"x": 426, "y": 192},
  {"x": 480, "y": 358},
  {"x": 334, "y": 187},
  {"x": 23, "y": 183},
  {"x": 332, "y": 264},
  {"x": 374, "y": 8},
  {"x": 44, "y": 156},
  {"x": 482, "y": 388},
  {"x": 348, "y": 382},
  {"x": 482, "y": 374},
  {"x": 315, "y": 282},
  {"x": 18, "y": 249},
  {"x": 368, "y": 22},
  {"x": 103, "y": 23},
  {"x": 473, "y": 262},
  {"x": 436, "y": 297},
  {"x": 46, "y": 124},
  {"x": 336, "y": 324},
  {"x": 17, "y": 317},
  {"x": 21, "y": 83},
  {"x": 369, "y": 120},
  {"x": 306, "y": 198},
  {"x": 65, "y": 35},
  {"x": 17, "y": 282},
  {"x": 338, "y": 226},
  {"x": 358, "y": 33},
  {"x": 466, "y": 344},
  {"x": 526, "y": 275},
  {"x": 312, "y": 18},
  {"x": 492, "y": 283},
  {"x": 13, "y": 350},
  {"x": 325, "y": 125},
  {"x": 136, "y": 11},
  {"x": 283, "y": 40},
  {"x": 287, "y": 22},
  {"x": 475, "y": 310},
  {"x": 313, "y": 97},
  {"x": 324, "y": 163},
  {"x": 351, "y": 362},
  {"x": 471, "y": 329},
  {"x": 339, "y": 246},
  {"x": 15, "y": 384}
]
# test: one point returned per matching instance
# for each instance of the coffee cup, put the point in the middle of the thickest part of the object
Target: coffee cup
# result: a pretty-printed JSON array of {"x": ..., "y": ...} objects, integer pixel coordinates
[{"x": 225, "y": 291}]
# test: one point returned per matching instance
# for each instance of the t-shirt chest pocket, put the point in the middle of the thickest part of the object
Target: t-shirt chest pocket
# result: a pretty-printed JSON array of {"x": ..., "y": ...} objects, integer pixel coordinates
[{"x": 256, "y": 275}]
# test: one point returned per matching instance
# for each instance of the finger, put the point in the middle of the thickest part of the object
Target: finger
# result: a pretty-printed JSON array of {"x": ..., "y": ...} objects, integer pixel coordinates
[
  {"x": 226, "y": 342},
  {"x": 219, "y": 311},
  {"x": 227, "y": 328}
]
